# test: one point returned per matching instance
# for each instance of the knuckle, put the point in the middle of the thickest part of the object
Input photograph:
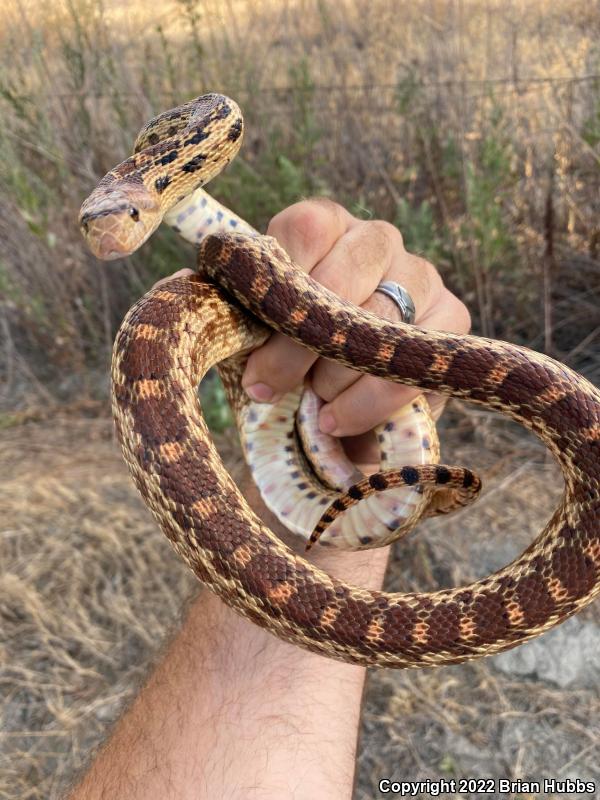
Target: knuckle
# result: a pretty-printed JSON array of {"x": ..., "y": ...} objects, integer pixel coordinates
[
  {"x": 433, "y": 284},
  {"x": 387, "y": 232},
  {"x": 367, "y": 247},
  {"x": 337, "y": 279},
  {"x": 277, "y": 365},
  {"x": 181, "y": 273},
  {"x": 304, "y": 225},
  {"x": 463, "y": 316},
  {"x": 263, "y": 363},
  {"x": 435, "y": 280}
]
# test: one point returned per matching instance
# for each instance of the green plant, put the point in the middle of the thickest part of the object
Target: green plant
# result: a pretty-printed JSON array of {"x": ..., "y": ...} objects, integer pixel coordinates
[
  {"x": 489, "y": 176},
  {"x": 215, "y": 407},
  {"x": 420, "y": 231}
]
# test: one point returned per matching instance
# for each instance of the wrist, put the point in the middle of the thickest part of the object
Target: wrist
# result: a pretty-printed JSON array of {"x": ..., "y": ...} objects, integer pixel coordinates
[{"x": 295, "y": 713}]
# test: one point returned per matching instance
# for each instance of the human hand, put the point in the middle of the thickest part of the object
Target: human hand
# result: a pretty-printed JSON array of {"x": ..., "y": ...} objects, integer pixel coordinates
[{"x": 351, "y": 257}]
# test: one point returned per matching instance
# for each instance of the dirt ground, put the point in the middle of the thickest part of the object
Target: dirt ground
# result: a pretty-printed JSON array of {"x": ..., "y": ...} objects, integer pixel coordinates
[{"x": 90, "y": 590}]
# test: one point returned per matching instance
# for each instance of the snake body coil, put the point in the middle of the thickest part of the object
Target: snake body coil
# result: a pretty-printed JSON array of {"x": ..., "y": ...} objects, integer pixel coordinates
[{"x": 177, "y": 331}]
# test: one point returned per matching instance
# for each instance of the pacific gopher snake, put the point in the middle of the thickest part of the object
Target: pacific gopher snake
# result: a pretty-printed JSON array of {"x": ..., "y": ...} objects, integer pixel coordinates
[{"x": 176, "y": 332}]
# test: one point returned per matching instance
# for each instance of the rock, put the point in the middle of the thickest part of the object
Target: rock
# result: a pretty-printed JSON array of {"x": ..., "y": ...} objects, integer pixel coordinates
[{"x": 567, "y": 656}]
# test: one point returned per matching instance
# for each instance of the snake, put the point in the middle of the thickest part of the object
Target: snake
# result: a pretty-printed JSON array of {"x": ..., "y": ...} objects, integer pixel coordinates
[{"x": 247, "y": 286}]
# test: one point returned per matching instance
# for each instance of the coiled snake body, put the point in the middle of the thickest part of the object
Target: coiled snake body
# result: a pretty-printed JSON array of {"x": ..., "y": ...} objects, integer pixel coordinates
[{"x": 174, "y": 334}]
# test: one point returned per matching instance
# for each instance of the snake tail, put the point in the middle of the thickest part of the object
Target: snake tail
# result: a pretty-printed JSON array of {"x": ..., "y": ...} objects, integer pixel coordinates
[{"x": 464, "y": 483}]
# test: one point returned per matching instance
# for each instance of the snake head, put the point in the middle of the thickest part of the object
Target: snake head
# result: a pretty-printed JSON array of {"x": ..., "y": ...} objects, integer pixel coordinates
[{"x": 115, "y": 222}]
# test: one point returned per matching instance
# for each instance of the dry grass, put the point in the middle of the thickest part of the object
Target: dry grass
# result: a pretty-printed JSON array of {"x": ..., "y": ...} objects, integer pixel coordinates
[
  {"x": 474, "y": 125},
  {"x": 90, "y": 590}
]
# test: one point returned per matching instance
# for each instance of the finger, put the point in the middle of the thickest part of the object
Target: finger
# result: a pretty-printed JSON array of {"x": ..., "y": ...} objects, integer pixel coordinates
[
  {"x": 309, "y": 229},
  {"x": 357, "y": 262},
  {"x": 364, "y": 253},
  {"x": 416, "y": 275},
  {"x": 458, "y": 313},
  {"x": 366, "y": 403},
  {"x": 369, "y": 401}
]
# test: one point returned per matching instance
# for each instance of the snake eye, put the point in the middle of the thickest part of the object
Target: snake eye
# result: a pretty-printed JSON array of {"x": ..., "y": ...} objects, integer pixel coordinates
[{"x": 134, "y": 214}]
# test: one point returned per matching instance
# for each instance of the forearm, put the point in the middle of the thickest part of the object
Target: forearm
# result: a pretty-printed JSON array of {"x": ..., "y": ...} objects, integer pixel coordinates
[{"x": 233, "y": 712}]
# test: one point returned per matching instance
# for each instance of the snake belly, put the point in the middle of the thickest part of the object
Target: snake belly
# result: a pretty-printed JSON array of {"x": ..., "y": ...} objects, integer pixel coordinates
[
  {"x": 177, "y": 331},
  {"x": 300, "y": 471}
]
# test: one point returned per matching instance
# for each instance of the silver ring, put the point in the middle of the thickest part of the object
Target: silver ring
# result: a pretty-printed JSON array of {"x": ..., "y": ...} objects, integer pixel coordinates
[{"x": 401, "y": 298}]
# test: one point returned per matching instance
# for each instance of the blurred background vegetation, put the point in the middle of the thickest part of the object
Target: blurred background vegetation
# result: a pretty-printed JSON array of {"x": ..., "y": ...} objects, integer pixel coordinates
[{"x": 474, "y": 126}]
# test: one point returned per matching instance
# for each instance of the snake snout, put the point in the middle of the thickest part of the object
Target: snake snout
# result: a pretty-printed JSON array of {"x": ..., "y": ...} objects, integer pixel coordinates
[
  {"x": 106, "y": 246},
  {"x": 116, "y": 223}
]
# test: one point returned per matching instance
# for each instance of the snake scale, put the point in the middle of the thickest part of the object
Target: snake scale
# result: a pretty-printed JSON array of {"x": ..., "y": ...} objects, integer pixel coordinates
[{"x": 176, "y": 332}]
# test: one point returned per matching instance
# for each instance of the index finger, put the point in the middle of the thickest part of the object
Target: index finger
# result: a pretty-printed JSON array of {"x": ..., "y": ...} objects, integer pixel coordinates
[{"x": 307, "y": 231}]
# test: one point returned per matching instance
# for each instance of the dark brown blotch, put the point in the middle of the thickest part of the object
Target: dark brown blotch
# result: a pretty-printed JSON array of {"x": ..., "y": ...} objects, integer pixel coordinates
[
  {"x": 362, "y": 344},
  {"x": 468, "y": 370},
  {"x": 317, "y": 328},
  {"x": 575, "y": 570},
  {"x": 146, "y": 359},
  {"x": 157, "y": 312},
  {"x": 378, "y": 482},
  {"x": 398, "y": 623},
  {"x": 225, "y": 531},
  {"x": 522, "y": 385},
  {"x": 491, "y": 617},
  {"x": 235, "y": 131},
  {"x": 412, "y": 360},
  {"x": 351, "y": 624},
  {"x": 443, "y": 622},
  {"x": 160, "y": 184},
  {"x": 536, "y": 602},
  {"x": 306, "y": 606},
  {"x": 194, "y": 164},
  {"x": 279, "y": 301},
  {"x": 158, "y": 420}
]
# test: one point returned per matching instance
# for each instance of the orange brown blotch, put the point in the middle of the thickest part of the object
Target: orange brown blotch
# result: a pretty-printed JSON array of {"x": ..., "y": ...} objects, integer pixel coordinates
[
  {"x": 164, "y": 294},
  {"x": 441, "y": 363},
  {"x": 170, "y": 452},
  {"x": 338, "y": 338},
  {"x": 515, "y": 613},
  {"x": 147, "y": 332},
  {"x": 591, "y": 434},
  {"x": 146, "y": 388},
  {"x": 385, "y": 352},
  {"x": 260, "y": 286},
  {"x": 552, "y": 394},
  {"x": 421, "y": 632},
  {"x": 281, "y": 593},
  {"x": 242, "y": 555},
  {"x": 298, "y": 315},
  {"x": 497, "y": 375},
  {"x": 557, "y": 590},
  {"x": 329, "y": 616},
  {"x": 375, "y": 630},
  {"x": 204, "y": 507},
  {"x": 593, "y": 552},
  {"x": 467, "y": 628}
]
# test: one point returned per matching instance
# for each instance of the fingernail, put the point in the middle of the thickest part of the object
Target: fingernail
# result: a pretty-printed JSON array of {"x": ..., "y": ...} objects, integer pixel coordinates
[
  {"x": 260, "y": 392},
  {"x": 327, "y": 423}
]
